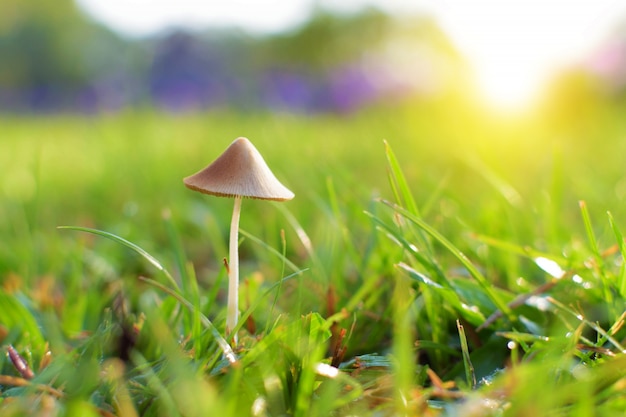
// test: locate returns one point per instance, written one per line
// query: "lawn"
(435, 261)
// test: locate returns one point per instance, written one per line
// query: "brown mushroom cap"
(239, 171)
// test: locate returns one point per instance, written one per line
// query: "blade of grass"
(312, 339)
(518, 302)
(403, 343)
(283, 241)
(593, 242)
(447, 293)
(194, 292)
(285, 262)
(524, 337)
(179, 253)
(510, 247)
(130, 245)
(188, 278)
(470, 376)
(349, 249)
(615, 327)
(473, 271)
(273, 251)
(621, 282)
(226, 349)
(154, 383)
(506, 190)
(319, 271)
(16, 315)
(258, 300)
(591, 324)
(436, 194)
(402, 191)
(329, 397)
(428, 263)
(398, 182)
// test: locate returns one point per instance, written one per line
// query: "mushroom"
(239, 172)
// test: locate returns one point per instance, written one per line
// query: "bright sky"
(514, 46)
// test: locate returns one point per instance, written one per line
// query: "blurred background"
(106, 105)
(91, 56)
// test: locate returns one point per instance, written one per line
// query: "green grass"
(433, 262)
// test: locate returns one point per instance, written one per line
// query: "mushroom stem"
(233, 270)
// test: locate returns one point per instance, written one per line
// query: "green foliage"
(51, 44)
(412, 277)
(327, 40)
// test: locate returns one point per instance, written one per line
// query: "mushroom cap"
(239, 171)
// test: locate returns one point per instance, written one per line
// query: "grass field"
(433, 262)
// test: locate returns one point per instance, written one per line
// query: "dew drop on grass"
(550, 266)
(580, 371)
(326, 370)
(580, 281)
(259, 406)
(540, 303)
(473, 308)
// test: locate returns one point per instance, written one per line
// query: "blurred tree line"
(51, 54)
(54, 58)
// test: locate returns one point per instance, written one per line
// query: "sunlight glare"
(516, 47)
(508, 84)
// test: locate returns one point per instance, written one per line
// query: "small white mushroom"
(239, 172)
